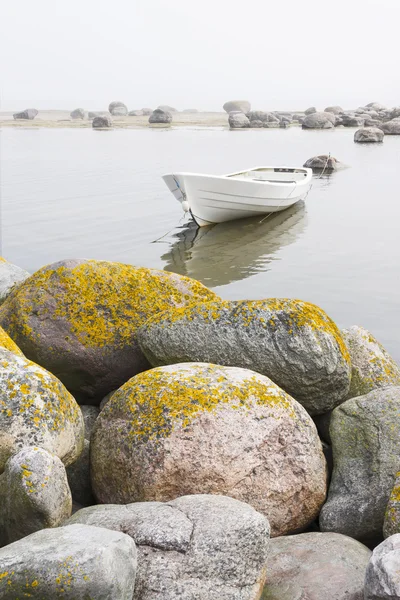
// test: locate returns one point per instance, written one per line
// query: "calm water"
(82, 193)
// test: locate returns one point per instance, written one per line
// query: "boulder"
(366, 447)
(322, 163)
(216, 547)
(349, 120)
(391, 127)
(316, 566)
(36, 410)
(7, 343)
(10, 277)
(117, 109)
(160, 116)
(102, 122)
(256, 124)
(382, 581)
(372, 123)
(166, 108)
(394, 113)
(71, 562)
(36, 494)
(136, 113)
(78, 318)
(264, 117)
(238, 120)
(198, 428)
(391, 524)
(29, 114)
(375, 106)
(368, 135)
(318, 120)
(78, 113)
(372, 366)
(294, 343)
(310, 111)
(147, 111)
(336, 110)
(237, 105)
(271, 124)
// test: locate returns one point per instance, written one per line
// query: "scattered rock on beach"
(78, 113)
(375, 106)
(160, 116)
(382, 580)
(238, 120)
(166, 108)
(310, 110)
(36, 410)
(323, 162)
(316, 566)
(198, 428)
(10, 277)
(351, 120)
(366, 447)
(77, 561)
(117, 109)
(216, 547)
(391, 127)
(368, 135)
(103, 122)
(29, 114)
(35, 494)
(147, 111)
(294, 343)
(319, 120)
(78, 318)
(336, 110)
(237, 105)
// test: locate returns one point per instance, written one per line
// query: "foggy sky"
(284, 54)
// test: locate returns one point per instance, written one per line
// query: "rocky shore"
(158, 442)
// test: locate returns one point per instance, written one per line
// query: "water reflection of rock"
(221, 254)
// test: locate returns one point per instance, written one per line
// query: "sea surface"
(69, 193)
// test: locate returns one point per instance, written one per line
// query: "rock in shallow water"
(206, 547)
(322, 163)
(78, 318)
(238, 120)
(382, 581)
(71, 562)
(391, 127)
(10, 277)
(366, 450)
(316, 566)
(319, 120)
(294, 343)
(368, 135)
(199, 428)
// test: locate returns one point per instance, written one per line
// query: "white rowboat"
(258, 191)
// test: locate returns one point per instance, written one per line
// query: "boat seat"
(272, 180)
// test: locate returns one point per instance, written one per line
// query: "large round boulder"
(78, 113)
(160, 116)
(205, 429)
(77, 561)
(237, 105)
(118, 109)
(294, 343)
(102, 122)
(78, 319)
(238, 120)
(391, 127)
(352, 120)
(336, 110)
(316, 566)
(36, 410)
(319, 120)
(368, 135)
(366, 447)
(310, 111)
(10, 276)
(382, 581)
(372, 366)
(166, 108)
(29, 114)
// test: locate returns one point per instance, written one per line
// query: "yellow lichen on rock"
(7, 343)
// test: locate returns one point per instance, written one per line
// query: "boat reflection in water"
(232, 251)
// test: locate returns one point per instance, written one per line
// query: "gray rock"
(352, 120)
(319, 120)
(256, 124)
(271, 125)
(336, 110)
(78, 113)
(237, 105)
(215, 547)
(375, 106)
(79, 478)
(36, 410)
(117, 109)
(136, 113)
(372, 365)
(391, 127)
(160, 116)
(238, 120)
(310, 110)
(35, 494)
(147, 111)
(366, 447)
(166, 108)
(103, 122)
(29, 114)
(10, 277)
(368, 135)
(323, 162)
(71, 562)
(394, 113)
(316, 566)
(372, 123)
(382, 581)
(391, 524)
(259, 115)
(292, 342)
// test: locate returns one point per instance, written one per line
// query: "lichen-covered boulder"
(294, 343)
(10, 277)
(36, 410)
(77, 561)
(322, 163)
(366, 450)
(216, 547)
(319, 120)
(160, 116)
(237, 105)
(102, 122)
(382, 581)
(29, 114)
(7, 343)
(391, 127)
(238, 120)
(197, 428)
(316, 566)
(36, 494)
(372, 366)
(78, 113)
(78, 319)
(368, 135)
(118, 109)
(391, 524)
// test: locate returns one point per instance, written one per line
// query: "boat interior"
(271, 175)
